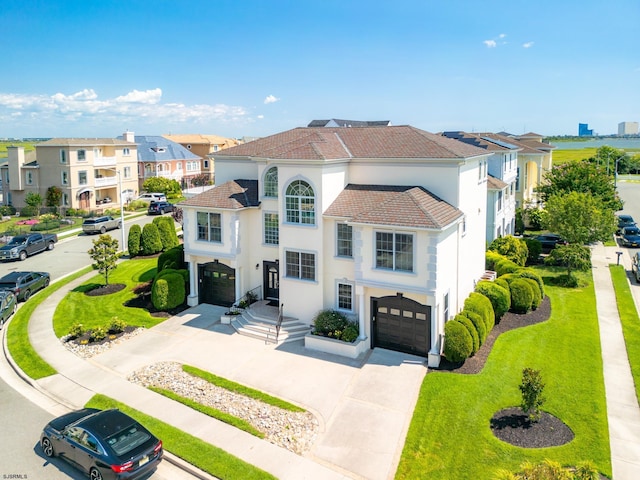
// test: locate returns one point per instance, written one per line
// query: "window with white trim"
(82, 155)
(271, 231)
(394, 251)
(63, 156)
(345, 296)
(500, 200)
(209, 227)
(127, 172)
(271, 183)
(300, 265)
(29, 178)
(64, 176)
(126, 152)
(82, 177)
(300, 203)
(344, 240)
(65, 199)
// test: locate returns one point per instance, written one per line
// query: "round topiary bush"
(515, 249)
(478, 323)
(330, 323)
(499, 297)
(478, 303)
(172, 258)
(167, 231)
(160, 294)
(521, 295)
(472, 331)
(150, 242)
(535, 302)
(504, 284)
(133, 242)
(458, 344)
(529, 273)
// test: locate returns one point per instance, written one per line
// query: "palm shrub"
(512, 248)
(521, 295)
(535, 301)
(458, 344)
(150, 242)
(133, 242)
(468, 324)
(499, 297)
(478, 303)
(478, 323)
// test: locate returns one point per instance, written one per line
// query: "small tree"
(531, 389)
(573, 257)
(54, 196)
(105, 255)
(34, 200)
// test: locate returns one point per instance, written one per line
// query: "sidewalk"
(363, 406)
(623, 412)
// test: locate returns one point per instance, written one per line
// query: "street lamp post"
(122, 246)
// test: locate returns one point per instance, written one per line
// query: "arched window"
(271, 183)
(300, 202)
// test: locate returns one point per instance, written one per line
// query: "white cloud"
(502, 35)
(490, 43)
(527, 45)
(271, 99)
(260, 117)
(130, 107)
(499, 40)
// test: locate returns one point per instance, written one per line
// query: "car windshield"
(89, 222)
(631, 231)
(127, 439)
(19, 240)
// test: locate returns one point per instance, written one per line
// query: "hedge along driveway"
(449, 436)
(97, 311)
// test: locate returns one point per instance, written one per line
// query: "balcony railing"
(106, 181)
(104, 161)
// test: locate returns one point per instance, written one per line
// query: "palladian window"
(271, 183)
(300, 203)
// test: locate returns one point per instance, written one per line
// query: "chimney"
(16, 160)
(129, 136)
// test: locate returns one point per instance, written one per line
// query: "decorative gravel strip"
(90, 349)
(295, 431)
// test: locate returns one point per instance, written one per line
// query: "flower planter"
(226, 319)
(336, 347)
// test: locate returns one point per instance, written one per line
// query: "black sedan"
(8, 305)
(625, 221)
(549, 241)
(24, 284)
(159, 208)
(630, 237)
(105, 444)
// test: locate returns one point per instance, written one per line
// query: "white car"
(152, 197)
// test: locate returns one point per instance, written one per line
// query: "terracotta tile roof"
(82, 142)
(326, 143)
(494, 183)
(204, 139)
(403, 206)
(231, 195)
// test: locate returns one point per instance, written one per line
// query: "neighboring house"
(161, 157)
(202, 146)
(90, 172)
(386, 224)
(334, 122)
(502, 180)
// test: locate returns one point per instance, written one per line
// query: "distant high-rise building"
(584, 131)
(628, 128)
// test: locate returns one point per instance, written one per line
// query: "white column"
(361, 312)
(192, 300)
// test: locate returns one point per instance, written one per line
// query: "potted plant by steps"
(232, 313)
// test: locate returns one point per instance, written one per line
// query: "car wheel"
(162, 211)
(15, 307)
(51, 246)
(103, 230)
(47, 447)
(27, 295)
(94, 474)
(119, 225)
(23, 255)
(46, 283)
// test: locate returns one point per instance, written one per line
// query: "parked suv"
(100, 224)
(159, 208)
(625, 221)
(152, 197)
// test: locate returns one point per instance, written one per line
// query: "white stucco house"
(386, 224)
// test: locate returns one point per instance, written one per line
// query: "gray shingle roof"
(156, 148)
(494, 183)
(349, 123)
(232, 195)
(402, 206)
(325, 143)
(83, 142)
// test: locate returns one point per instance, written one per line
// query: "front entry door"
(271, 280)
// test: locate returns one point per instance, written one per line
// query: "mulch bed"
(513, 426)
(508, 322)
(105, 289)
(85, 338)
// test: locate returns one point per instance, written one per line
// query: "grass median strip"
(629, 320)
(241, 389)
(210, 411)
(197, 452)
(18, 331)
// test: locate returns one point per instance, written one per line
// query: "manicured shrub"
(160, 294)
(136, 205)
(7, 210)
(528, 273)
(521, 295)
(184, 273)
(133, 242)
(29, 211)
(330, 323)
(97, 334)
(468, 324)
(76, 330)
(168, 291)
(499, 297)
(535, 290)
(117, 325)
(172, 258)
(478, 323)
(490, 259)
(576, 257)
(535, 249)
(512, 248)
(167, 231)
(478, 303)
(150, 242)
(48, 225)
(504, 284)
(457, 342)
(350, 333)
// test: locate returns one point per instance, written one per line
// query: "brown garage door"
(217, 284)
(401, 324)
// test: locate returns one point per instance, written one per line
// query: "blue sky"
(79, 68)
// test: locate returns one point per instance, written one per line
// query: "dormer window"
(158, 149)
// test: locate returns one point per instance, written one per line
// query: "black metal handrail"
(279, 322)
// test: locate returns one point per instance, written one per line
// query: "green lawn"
(629, 320)
(96, 311)
(205, 456)
(449, 436)
(563, 156)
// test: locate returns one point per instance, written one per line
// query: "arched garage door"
(217, 284)
(401, 324)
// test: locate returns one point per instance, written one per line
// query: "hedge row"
(468, 330)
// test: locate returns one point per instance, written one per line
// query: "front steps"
(259, 321)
